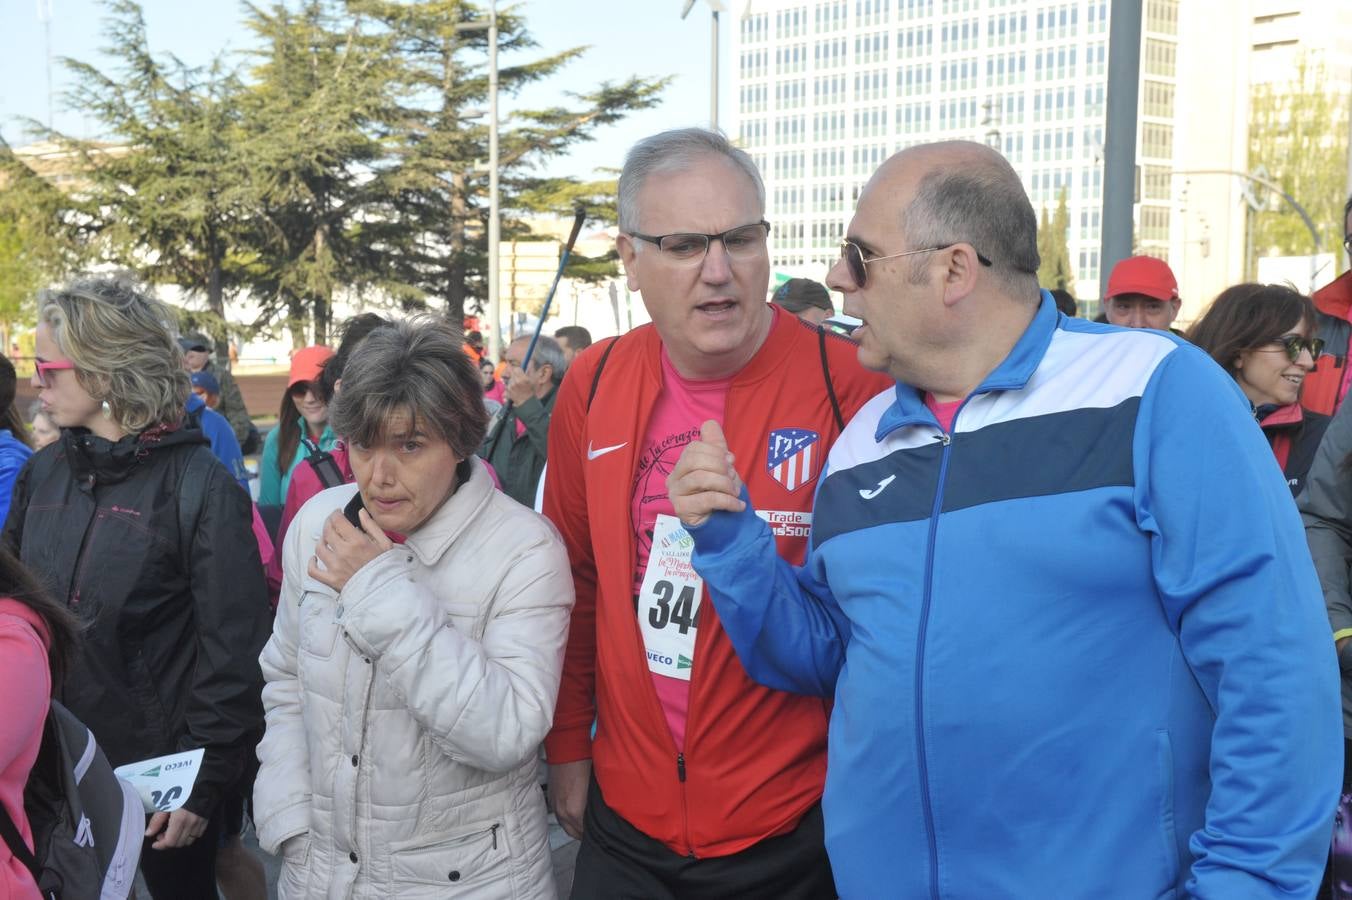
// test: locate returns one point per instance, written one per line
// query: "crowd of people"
(981, 600)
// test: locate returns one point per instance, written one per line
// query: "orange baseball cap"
(307, 363)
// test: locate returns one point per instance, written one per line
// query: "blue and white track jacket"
(1077, 647)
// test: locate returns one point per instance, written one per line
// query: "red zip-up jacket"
(754, 759)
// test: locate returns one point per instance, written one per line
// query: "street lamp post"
(716, 7)
(1260, 177)
(494, 213)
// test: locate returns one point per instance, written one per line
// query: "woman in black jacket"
(132, 521)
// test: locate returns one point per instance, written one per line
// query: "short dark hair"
(1065, 302)
(354, 332)
(578, 338)
(983, 204)
(1246, 316)
(419, 367)
(1347, 209)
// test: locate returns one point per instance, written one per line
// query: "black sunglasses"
(858, 265)
(1293, 345)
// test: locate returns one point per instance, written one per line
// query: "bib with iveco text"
(668, 601)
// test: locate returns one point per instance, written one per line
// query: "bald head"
(965, 191)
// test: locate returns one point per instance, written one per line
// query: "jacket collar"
(96, 460)
(1011, 375)
(1278, 416)
(1335, 298)
(460, 511)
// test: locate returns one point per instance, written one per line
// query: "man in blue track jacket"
(1056, 586)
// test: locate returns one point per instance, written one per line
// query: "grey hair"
(416, 367)
(548, 352)
(983, 204)
(678, 150)
(122, 344)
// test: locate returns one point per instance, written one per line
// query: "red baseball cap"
(307, 363)
(1143, 275)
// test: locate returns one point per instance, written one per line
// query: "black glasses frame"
(1293, 345)
(660, 239)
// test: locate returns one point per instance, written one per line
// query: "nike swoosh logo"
(882, 486)
(593, 454)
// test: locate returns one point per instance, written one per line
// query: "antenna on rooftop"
(45, 17)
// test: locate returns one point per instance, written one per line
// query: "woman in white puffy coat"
(415, 659)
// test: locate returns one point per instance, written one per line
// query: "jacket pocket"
(142, 687)
(318, 630)
(466, 860)
(295, 875)
(1164, 763)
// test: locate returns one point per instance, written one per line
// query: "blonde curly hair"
(122, 344)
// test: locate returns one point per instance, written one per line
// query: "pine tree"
(1052, 245)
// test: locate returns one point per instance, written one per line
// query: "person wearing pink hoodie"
(36, 636)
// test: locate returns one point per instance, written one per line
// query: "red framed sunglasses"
(42, 367)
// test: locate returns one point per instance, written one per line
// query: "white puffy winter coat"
(404, 714)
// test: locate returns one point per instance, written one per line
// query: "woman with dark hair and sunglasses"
(302, 421)
(1263, 335)
(133, 523)
(37, 637)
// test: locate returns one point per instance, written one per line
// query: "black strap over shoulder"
(325, 466)
(600, 366)
(192, 493)
(10, 832)
(826, 375)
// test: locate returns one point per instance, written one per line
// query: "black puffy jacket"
(165, 573)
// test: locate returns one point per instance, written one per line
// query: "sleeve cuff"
(565, 745)
(722, 528)
(283, 825)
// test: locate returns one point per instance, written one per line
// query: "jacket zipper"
(922, 764)
(361, 740)
(83, 559)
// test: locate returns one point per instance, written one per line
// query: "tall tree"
(436, 222)
(1298, 133)
(165, 194)
(1053, 247)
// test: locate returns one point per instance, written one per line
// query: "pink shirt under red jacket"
(25, 694)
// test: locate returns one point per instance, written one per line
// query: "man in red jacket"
(1326, 387)
(697, 782)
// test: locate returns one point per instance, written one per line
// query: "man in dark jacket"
(519, 435)
(197, 358)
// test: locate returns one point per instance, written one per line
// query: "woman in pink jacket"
(36, 637)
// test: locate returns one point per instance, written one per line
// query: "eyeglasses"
(742, 242)
(858, 265)
(42, 368)
(1293, 345)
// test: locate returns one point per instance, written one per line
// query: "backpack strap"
(826, 374)
(10, 832)
(191, 497)
(323, 463)
(600, 366)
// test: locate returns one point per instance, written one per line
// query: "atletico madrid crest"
(793, 456)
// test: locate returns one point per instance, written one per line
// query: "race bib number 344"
(668, 602)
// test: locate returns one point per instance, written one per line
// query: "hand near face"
(704, 479)
(343, 549)
(519, 388)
